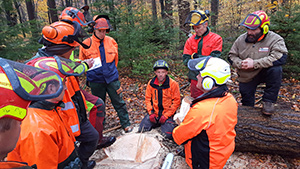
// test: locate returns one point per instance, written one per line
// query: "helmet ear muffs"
(265, 29)
(208, 83)
(90, 29)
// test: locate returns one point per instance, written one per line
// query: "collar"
(164, 85)
(205, 33)
(46, 105)
(221, 91)
(96, 39)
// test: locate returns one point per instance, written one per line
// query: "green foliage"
(286, 22)
(19, 42)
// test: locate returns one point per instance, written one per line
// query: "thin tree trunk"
(30, 9)
(17, 6)
(52, 13)
(154, 11)
(214, 5)
(183, 11)
(162, 5)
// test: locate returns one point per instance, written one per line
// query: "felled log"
(278, 134)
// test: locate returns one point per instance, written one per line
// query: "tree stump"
(278, 134)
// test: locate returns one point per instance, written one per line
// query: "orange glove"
(153, 118)
(162, 119)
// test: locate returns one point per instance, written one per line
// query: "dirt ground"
(133, 95)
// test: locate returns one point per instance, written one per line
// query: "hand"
(90, 62)
(247, 64)
(162, 119)
(153, 118)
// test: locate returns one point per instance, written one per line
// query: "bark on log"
(278, 134)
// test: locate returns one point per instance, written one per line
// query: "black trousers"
(271, 76)
(88, 141)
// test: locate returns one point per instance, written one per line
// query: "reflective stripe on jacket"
(208, 132)
(206, 45)
(72, 116)
(107, 50)
(77, 97)
(164, 99)
(45, 139)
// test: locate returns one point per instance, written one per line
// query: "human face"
(199, 82)
(161, 75)
(254, 35)
(200, 29)
(9, 138)
(100, 33)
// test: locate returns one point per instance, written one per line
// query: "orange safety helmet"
(19, 85)
(72, 14)
(62, 66)
(102, 23)
(257, 19)
(65, 33)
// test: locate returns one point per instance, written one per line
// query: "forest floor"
(134, 96)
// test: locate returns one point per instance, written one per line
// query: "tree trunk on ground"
(278, 134)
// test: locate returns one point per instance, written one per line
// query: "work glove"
(162, 119)
(153, 118)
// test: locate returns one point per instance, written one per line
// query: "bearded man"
(258, 56)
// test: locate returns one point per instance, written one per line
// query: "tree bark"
(214, 5)
(278, 134)
(162, 6)
(183, 11)
(30, 9)
(52, 13)
(154, 11)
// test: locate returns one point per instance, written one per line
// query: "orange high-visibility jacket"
(164, 99)
(111, 49)
(76, 95)
(14, 165)
(45, 139)
(71, 114)
(208, 132)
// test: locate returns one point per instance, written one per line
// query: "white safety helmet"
(214, 71)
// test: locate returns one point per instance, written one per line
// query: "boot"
(268, 108)
(106, 141)
(89, 165)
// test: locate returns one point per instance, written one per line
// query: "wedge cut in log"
(277, 134)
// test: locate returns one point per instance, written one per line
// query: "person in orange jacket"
(60, 39)
(162, 100)
(207, 131)
(95, 105)
(103, 76)
(46, 139)
(17, 89)
(203, 43)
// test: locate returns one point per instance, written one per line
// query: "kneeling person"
(162, 101)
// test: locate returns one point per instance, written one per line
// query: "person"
(95, 105)
(207, 131)
(162, 100)
(258, 56)
(103, 77)
(60, 39)
(202, 43)
(46, 139)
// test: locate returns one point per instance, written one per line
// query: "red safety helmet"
(62, 66)
(19, 85)
(257, 19)
(72, 14)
